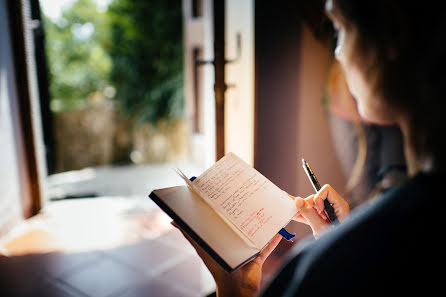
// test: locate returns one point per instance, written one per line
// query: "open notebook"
(231, 210)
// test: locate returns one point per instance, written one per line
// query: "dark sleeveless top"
(392, 245)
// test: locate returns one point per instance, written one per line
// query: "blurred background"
(102, 99)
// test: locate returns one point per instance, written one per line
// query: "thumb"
(315, 221)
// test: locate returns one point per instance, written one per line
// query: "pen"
(329, 211)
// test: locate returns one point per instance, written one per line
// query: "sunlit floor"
(104, 246)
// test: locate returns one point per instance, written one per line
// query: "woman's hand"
(312, 210)
(245, 281)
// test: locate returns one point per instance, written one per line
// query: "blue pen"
(328, 208)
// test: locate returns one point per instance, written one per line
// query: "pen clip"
(311, 176)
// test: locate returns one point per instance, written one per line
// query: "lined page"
(247, 198)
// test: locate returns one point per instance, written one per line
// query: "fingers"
(270, 247)
(316, 221)
(340, 206)
(299, 218)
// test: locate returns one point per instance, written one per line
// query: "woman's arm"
(245, 281)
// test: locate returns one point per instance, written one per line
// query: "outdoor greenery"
(131, 52)
(147, 53)
(78, 61)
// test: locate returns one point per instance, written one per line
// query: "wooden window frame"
(31, 202)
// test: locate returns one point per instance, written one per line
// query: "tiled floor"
(105, 246)
(101, 247)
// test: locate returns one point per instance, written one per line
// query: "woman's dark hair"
(402, 45)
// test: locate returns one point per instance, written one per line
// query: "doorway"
(117, 97)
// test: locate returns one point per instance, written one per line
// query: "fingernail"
(300, 202)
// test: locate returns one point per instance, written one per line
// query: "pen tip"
(303, 161)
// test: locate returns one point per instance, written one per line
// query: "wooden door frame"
(31, 203)
(219, 69)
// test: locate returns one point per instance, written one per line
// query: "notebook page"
(229, 223)
(247, 198)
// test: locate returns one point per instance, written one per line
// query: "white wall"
(198, 32)
(239, 104)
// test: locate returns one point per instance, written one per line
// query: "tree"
(78, 62)
(147, 58)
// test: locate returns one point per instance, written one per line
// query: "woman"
(393, 56)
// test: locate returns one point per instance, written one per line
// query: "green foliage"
(78, 62)
(135, 46)
(147, 53)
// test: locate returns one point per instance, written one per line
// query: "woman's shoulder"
(404, 200)
(405, 210)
